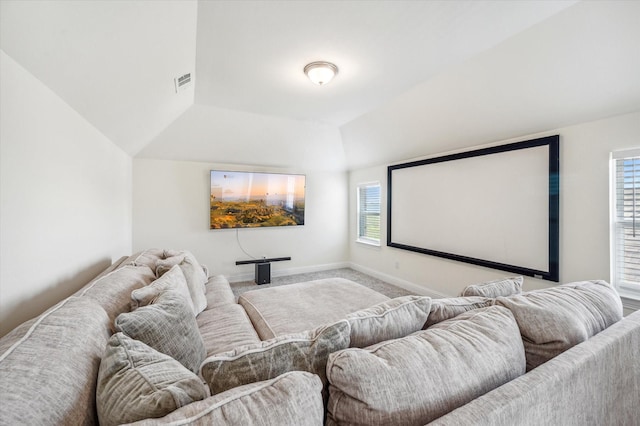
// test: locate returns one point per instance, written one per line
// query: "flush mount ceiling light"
(320, 72)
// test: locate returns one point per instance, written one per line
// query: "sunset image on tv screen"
(252, 200)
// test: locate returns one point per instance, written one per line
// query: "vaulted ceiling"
(416, 77)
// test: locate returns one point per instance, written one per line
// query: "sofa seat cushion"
(418, 378)
(225, 328)
(291, 399)
(48, 375)
(306, 351)
(388, 320)
(136, 382)
(168, 326)
(553, 320)
(311, 304)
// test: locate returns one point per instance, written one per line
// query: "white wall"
(584, 216)
(65, 198)
(171, 210)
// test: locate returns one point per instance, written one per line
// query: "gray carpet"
(348, 273)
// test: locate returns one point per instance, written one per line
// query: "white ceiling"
(416, 77)
(251, 54)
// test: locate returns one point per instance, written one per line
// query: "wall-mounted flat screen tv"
(255, 200)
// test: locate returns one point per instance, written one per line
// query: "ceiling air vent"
(182, 82)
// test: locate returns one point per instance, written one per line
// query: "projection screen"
(496, 207)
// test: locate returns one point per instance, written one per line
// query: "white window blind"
(369, 213)
(626, 223)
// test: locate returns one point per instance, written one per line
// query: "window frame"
(360, 238)
(627, 289)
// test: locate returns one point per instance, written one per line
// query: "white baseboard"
(399, 282)
(291, 271)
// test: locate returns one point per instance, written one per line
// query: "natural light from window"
(369, 213)
(625, 231)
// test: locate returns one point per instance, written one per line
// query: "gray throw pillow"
(193, 272)
(306, 351)
(554, 319)
(395, 318)
(290, 399)
(174, 279)
(136, 382)
(450, 307)
(167, 325)
(418, 378)
(495, 288)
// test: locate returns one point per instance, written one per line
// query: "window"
(369, 213)
(625, 239)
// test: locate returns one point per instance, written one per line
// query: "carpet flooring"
(380, 286)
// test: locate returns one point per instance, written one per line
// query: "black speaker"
(263, 273)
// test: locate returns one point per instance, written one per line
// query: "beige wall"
(171, 205)
(65, 198)
(584, 216)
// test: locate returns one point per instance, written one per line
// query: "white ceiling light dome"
(321, 72)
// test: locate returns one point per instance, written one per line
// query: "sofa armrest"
(218, 292)
(595, 382)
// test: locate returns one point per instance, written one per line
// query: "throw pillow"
(174, 279)
(418, 378)
(395, 318)
(447, 308)
(496, 288)
(147, 257)
(193, 272)
(136, 382)
(290, 399)
(307, 351)
(553, 320)
(167, 325)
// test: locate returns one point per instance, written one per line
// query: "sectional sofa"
(155, 340)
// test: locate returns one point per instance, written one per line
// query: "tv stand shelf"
(263, 268)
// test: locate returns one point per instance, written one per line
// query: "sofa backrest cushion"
(193, 272)
(168, 326)
(450, 307)
(395, 318)
(306, 351)
(495, 288)
(136, 382)
(113, 290)
(291, 399)
(174, 279)
(48, 375)
(553, 320)
(418, 378)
